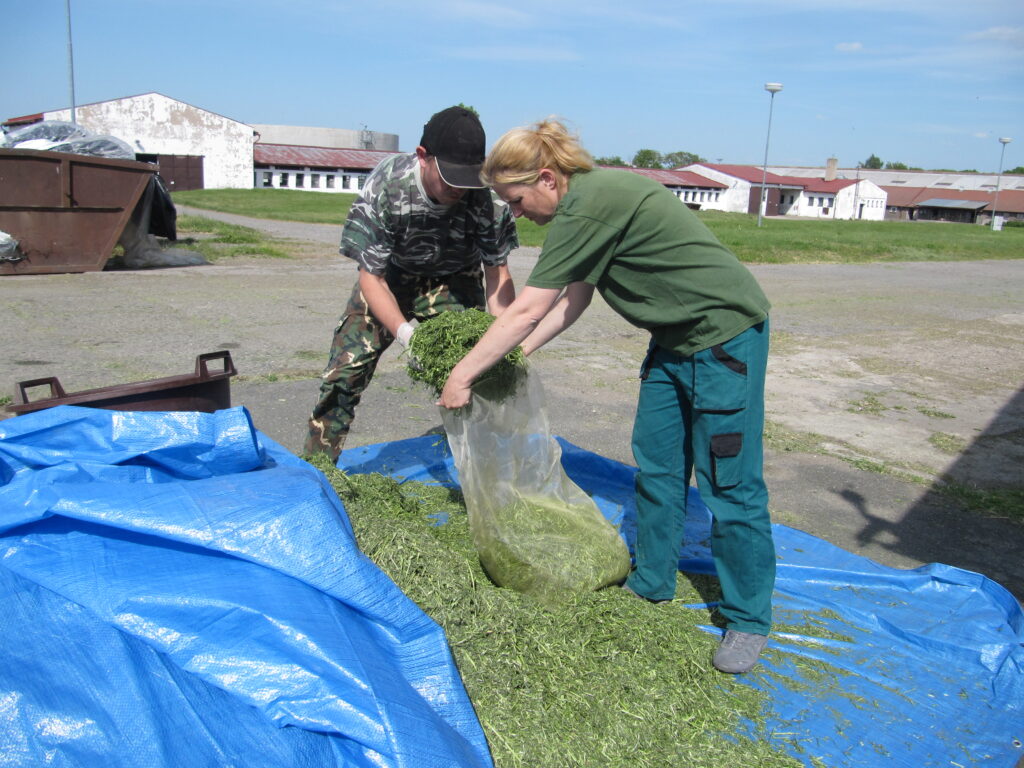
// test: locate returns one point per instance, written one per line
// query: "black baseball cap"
(455, 137)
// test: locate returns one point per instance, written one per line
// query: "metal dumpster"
(207, 390)
(66, 211)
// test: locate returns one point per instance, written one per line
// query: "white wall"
(338, 138)
(157, 125)
(312, 179)
(867, 196)
(735, 199)
(840, 205)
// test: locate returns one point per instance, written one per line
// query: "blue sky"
(930, 83)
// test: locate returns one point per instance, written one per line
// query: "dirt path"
(886, 380)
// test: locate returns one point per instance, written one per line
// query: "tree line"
(874, 162)
(650, 158)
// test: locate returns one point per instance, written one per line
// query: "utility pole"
(772, 88)
(71, 61)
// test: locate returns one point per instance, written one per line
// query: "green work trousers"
(704, 415)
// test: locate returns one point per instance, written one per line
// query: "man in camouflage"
(428, 237)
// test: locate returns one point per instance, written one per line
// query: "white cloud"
(1012, 35)
(850, 47)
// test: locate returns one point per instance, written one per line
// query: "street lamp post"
(772, 88)
(1004, 141)
(71, 61)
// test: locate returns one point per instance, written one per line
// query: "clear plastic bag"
(62, 136)
(45, 134)
(534, 529)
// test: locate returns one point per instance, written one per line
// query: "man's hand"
(404, 334)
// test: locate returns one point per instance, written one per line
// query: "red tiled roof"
(676, 178)
(1010, 200)
(24, 119)
(317, 157)
(754, 174)
(820, 185)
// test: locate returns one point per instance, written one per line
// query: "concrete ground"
(887, 382)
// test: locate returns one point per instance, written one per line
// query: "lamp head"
(773, 88)
(1004, 141)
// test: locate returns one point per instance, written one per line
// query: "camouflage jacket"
(394, 223)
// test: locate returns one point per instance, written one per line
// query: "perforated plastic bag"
(534, 529)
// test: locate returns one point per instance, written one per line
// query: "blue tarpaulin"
(904, 668)
(180, 590)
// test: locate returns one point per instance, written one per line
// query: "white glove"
(404, 335)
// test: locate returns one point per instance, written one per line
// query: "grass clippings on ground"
(217, 240)
(602, 679)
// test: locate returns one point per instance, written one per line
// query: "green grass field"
(777, 242)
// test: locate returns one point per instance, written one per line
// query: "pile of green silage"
(601, 679)
(441, 342)
(549, 549)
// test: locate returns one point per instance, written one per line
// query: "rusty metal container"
(206, 391)
(66, 211)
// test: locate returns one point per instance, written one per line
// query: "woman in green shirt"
(701, 403)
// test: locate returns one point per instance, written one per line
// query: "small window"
(284, 180)
(359, 181)
(314, 180)
(300, 179)
(345, 181)
(329, 179)
(268, 179)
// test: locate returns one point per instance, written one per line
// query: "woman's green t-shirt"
(651, 259)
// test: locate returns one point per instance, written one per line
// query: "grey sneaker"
(738, 652)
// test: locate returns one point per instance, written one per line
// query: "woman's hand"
(455, 395)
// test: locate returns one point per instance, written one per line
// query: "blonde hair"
(519, 155)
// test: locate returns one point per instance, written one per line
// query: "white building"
(314, 169)
(329, 138)
(697, 192)
(941, 180)
(198, 149)
(194, 148)
(826, 197)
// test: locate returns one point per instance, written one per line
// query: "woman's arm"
(506, 333)
(566, 311)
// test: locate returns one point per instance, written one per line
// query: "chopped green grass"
(441, 342)
(217, 240)
(933, 413)
(947, 443)
(1007, 503)
(601, 679)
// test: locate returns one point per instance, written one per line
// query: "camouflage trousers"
(360, 340)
